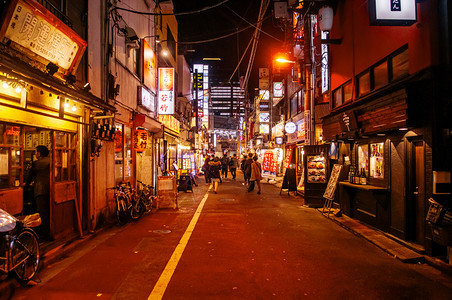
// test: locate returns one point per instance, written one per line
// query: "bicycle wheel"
(121, 211)
(25, 255)
(137, 209)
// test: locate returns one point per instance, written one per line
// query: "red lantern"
(140, 140)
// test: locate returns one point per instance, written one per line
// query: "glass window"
(400, 65)
(381, 75)
(4, 168)
(337, 95)
(363, 155)
(12, 135)
(119, 150)
(364, 84)
(348, 92)
(376, 160)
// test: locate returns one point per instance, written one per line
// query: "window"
(348, 92)
(10, 156)
(381, 75)
(400, 66)
(376, 167)
(65, 156)
(364, 84)
(337, 95)
(363, 158)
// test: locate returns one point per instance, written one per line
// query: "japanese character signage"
(269, 162)
(140, 140)
(392, 12)
(145, 99)
(32, 29)
(166, 91)
(170, 122)
(149, 67)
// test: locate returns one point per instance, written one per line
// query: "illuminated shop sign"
(264, 117)
(264, 94)
(140, 140)
(290, 127)
(166, 91)
(149, 67)
(146, 99)
(264, 128)
(279, 140)
(277, 89)
(324, 67)
(392, 12)
(30, 28)
(170, 122)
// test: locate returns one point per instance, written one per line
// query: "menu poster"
(331, 187)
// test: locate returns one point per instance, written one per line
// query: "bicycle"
(19, 247)
(146, 196)
(127, 205)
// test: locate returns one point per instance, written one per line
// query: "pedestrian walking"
(233, 166)
(247, 168)
(256, 175)
(214, 172)
(205, 170)
(224, 166)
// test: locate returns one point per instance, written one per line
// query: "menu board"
(316, 169)
(331, 188)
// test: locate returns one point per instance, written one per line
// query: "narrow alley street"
(242, 246)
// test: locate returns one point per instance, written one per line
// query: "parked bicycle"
(19, 247)
(146, 196)
(128, 205)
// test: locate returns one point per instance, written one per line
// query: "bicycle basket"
(32, 220)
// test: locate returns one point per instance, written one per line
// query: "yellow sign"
(170, 122)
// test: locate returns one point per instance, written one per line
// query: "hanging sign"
(31, 28)
(140, 140)
(392, 12)
(166, 91)
(290, 127)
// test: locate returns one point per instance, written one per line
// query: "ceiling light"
(403, 129)
(74, 108)
(211, 58)
(5, 85)
(381, 134)
(66, 104)
(18, 89)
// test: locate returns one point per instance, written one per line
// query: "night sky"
(221, 21)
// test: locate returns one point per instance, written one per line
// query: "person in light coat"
(256, 175)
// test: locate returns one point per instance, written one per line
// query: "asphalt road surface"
(233, 245)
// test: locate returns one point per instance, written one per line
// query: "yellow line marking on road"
(165, 277)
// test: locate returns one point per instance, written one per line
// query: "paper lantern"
(326, 15)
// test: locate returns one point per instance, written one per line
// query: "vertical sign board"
(166, 91)
(149, 67)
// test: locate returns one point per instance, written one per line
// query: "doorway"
(416, 192)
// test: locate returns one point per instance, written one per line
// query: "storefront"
(384, 143)
(169, 142)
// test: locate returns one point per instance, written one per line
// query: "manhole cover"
(227, 200)
(162, 231)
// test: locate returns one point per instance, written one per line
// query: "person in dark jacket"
(40, 176)
(247, 168)
(214, 172)
(224, 166)
(205, 169)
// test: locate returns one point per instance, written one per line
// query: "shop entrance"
(416, 192)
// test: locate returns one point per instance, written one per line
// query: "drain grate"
(161, 231)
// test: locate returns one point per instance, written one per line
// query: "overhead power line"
(171, 14)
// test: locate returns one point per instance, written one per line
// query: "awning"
(147, 122)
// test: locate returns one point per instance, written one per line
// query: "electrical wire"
(172, 14)
(253, 25)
